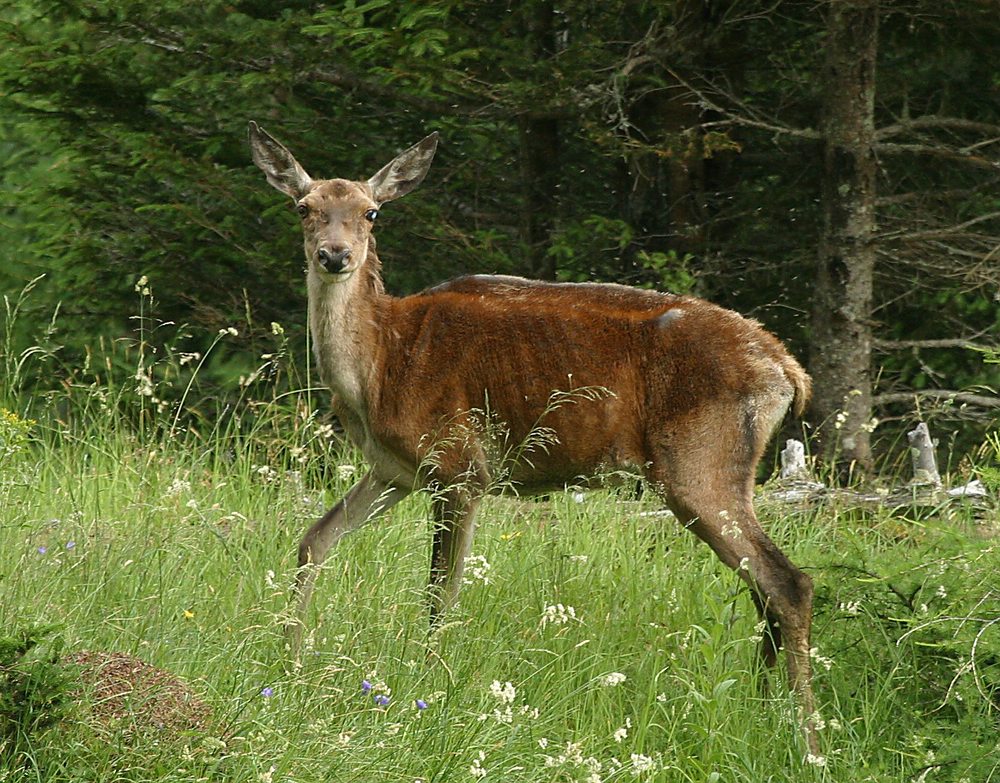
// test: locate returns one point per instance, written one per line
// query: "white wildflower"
(850, 607)
(277, 328)
(477, 569)
(816, 761)
(543, 743)
(941, 592)
(265, 472)
(144, 382)
(574, 752)
(594, 766)
(557, 614)
(344, 472)
(177, 487)
(731, 530)
(579, 558)
(141, 284)
(503, 692)
(642, 764)
(269, 580)
(621, 733)
(326, 431)
(826, 663)
(187, 358)
(612, 679)
(476, 770)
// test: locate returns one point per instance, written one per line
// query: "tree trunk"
(539, 141)
(539, 154)
(841, 346)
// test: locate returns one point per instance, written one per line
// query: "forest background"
(829, 168)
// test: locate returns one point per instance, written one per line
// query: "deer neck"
(344, 319)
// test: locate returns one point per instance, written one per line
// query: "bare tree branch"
(964, 398)
(743, 115)
(938, 233)
(958, 342)
(931, 121)
(937, 152)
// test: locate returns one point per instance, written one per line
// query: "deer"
(493, 382)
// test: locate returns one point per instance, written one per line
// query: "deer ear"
(405, 172)
(282, 170)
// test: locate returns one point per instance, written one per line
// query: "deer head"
(338, 214)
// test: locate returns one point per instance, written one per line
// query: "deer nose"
(334, 259)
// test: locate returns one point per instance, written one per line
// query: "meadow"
(594, 640)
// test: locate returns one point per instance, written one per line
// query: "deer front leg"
(364, 502)
(454, 525)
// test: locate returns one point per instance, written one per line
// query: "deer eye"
(302, 209)
(370, 215)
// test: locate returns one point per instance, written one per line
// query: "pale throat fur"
(342, 322)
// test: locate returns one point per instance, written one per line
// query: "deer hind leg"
(364, 502)
(770, 641)
(715, 504)
(454, 526)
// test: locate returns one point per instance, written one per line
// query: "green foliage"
(14, 432)
(669, 271)
(989, 471)
(918, 607)
(577, 246)
(123, 132)
(35, 690)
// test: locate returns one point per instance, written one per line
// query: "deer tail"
(801, 385)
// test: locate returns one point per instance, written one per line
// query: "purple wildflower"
(42, 549)
(421, 704)
(267, 692)
(365, 686)
(381, 700)
(71, 544)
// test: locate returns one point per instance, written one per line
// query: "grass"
(591, 644)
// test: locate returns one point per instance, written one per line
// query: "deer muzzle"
(332, 259)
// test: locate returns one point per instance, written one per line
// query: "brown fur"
(492, 382)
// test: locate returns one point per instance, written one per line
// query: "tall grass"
(591, 643)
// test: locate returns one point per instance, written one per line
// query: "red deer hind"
(490, 381)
